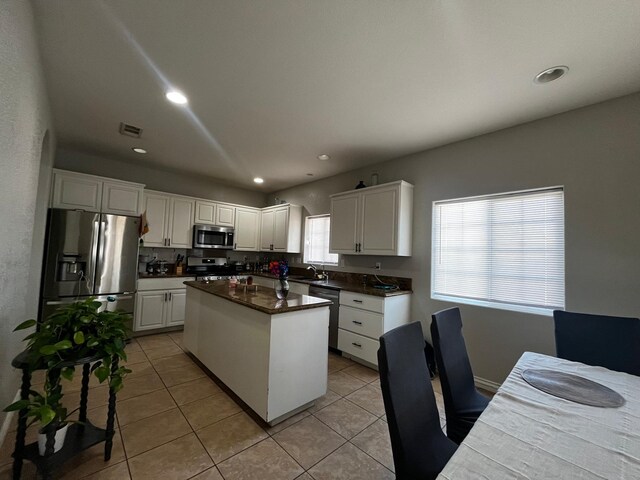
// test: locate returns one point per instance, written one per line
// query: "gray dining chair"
(419, 446)
(463, 403)
(599, 340)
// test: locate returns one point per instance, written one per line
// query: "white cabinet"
(373, 221)
(72, 190)
(364, 318)
(160, 303)
(170, 220)
(212, 213)
(247, 229)
(76, 191)
(121, 198)
(299, 288)
(281, 228)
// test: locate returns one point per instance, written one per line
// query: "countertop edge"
(219, 292)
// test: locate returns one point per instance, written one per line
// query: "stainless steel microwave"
(210, 236)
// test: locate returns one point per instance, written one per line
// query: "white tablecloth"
(526, 433)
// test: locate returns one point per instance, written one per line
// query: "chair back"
(599, 340)
(456, 376)
(420, 448)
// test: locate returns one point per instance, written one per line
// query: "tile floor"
(174, 422)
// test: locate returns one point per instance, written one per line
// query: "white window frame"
(307, 242)
(493, 303)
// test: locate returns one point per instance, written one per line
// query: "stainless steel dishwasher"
(334, 310)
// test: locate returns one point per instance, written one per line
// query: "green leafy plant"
(73, 333)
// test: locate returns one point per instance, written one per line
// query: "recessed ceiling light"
(550, 74)
(139, 150)
(258, 180)
(176, 97)
(323, 157)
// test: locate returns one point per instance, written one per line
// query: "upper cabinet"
(73, 190)
(170, 219)
(212, 213)
(247, 229)
(373, 221)
(281, 228)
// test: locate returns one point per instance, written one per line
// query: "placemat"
(572, 387)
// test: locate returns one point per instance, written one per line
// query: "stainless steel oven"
(210, 236)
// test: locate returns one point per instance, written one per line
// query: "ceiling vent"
(130, 130)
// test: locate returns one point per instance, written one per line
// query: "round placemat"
(572, 387)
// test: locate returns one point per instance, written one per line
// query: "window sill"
(546, 312)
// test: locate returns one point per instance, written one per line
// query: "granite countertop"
(261, 298)
(166, 275)
(346, 286)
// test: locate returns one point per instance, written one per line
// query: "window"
(316, 241)
(503, 251)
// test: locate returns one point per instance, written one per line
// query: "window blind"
(316, 244)
(504, 251)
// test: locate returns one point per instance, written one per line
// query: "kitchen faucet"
(321, 276)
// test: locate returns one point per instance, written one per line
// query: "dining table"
(525, 433)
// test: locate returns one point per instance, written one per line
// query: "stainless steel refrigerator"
(90, 255)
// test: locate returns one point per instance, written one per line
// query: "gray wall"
(594, 152)
(157, 178)
(26, 159)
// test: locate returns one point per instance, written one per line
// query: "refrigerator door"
(72, 240)
(117, 262)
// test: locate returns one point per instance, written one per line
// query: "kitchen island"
(271, 353)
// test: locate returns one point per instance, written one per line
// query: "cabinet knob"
(357, 301)
(356, 344)
(356, 322)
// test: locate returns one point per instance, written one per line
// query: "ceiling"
(273, 84)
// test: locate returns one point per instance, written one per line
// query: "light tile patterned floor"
(174, 423)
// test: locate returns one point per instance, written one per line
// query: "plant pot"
(282, 288)
(61, 434)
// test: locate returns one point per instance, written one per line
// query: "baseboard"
(7, 421)
(486, 384)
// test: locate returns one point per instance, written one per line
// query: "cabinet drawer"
(358, 346)
(366, 302)
(163, 283)
(360, 321)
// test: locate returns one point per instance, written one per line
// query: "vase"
(282, 288)
(60, 435)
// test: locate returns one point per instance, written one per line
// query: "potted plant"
(74, 334)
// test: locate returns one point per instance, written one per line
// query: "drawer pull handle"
(356, 322)
(358, 301)
(356, 344)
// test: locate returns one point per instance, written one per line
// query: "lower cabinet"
(160, 303)
(364, 318)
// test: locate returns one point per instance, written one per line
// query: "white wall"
(594, 152)
(24, 183)
(157, 178)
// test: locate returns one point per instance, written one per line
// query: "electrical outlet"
(378, 265)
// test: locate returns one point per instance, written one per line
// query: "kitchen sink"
(300, 277)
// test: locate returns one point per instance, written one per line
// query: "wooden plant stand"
(80, 436)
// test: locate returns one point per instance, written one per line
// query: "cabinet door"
(247, 230)
(205, 213)
(344, 224)
(280, 229)
(181, 223)
(379, 217)
(157, 208)
(266, 230)
(176, 307)
(225, 215)
(76, 192)
(121, 199)
(150, 310)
